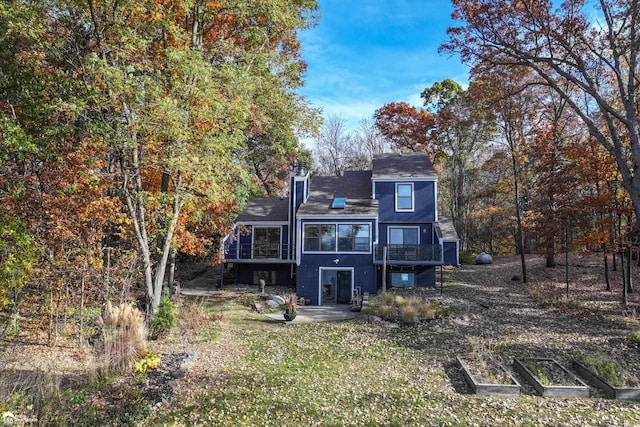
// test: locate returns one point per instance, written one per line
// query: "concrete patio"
(325, 313)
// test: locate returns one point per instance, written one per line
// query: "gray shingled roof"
(354, 185)
(447, 231)
(406, 165)
(265, 209)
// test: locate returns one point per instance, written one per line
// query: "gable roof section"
(354, 185)
(265, 209)
(402, 165)
(447, 231)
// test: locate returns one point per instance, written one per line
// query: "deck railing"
(263, 251)
(409, 253)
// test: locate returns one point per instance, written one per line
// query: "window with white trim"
(404, 197)
(337, 238)
(403, 235)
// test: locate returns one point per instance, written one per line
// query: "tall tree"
(506, 95)
(554, 197)
(492, 216)
(592, 67)
(334, 150)
(461, 129)
(368, 141)
(172, 91)
(406, 127)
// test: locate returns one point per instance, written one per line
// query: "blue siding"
(365, 267)
(451, 254)
(296, 198)
(424, 202)
(308, 273)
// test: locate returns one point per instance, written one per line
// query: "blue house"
(366, 230)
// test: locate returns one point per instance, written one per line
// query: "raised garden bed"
(609, 390)
(550, 378)
(488, 377)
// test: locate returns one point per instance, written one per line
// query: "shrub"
(409, 314)
(165, 319)
(194, 313)
(405, 309)
(386, 312)
(634, 337)
(146, 361)
(467, 257)
(427, 311)
(388, 299)
(125, 336)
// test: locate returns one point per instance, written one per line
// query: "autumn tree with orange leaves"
(166, 97)
(406, 127)
(593, 68)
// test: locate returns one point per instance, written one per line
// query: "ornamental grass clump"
(403, 309)
(387, 312)
(388, 299)
(409, 313)
(426, 311)
(125, 336)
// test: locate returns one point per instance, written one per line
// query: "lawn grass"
(359, 374)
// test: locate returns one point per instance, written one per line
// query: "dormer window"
(404, 197)
(338, 203)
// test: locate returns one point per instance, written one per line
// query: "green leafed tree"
(18, 257)
(462, 128)
(172, 92)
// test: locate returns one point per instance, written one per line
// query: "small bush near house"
(427, 311)
(409, 314)
(166, 318)
(388, 299)
(125, 336)
(404, 309)
(467, 257)
(384, 311)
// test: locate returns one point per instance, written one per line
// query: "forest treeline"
(133, 131)
(540, 152)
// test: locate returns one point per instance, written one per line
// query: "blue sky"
(367, 53)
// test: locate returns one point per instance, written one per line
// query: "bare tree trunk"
(629, 277)
(566, 257)
(172, 267)
(520, 234)
(82, 280)
(606, 271)
(625, 299)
